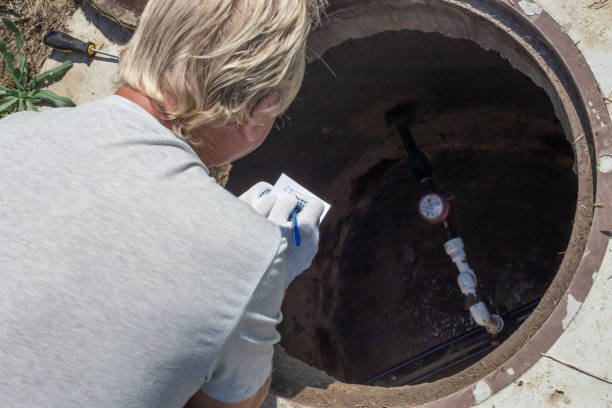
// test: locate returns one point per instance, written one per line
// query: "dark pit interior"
(382, 289)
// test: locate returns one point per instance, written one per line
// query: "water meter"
(434, 208)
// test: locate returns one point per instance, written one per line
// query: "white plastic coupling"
(454, 249)
(492, 322)
(467, 278)
(467, 282)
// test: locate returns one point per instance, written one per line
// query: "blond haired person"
(129, 278)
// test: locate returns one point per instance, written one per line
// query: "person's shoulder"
(239, 214)
(89, 114)
(233, 222)
(17, 120)
(113, 110)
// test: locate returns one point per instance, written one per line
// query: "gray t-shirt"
(128, 277)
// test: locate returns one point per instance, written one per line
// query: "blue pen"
(296, 230)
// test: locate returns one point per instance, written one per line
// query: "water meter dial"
(434, 208)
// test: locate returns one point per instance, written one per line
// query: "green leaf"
(7, 102)
(10, 60)
(23, 70)
(31, 106)
(8, 92)
(50, 76)
(20, 107)
(15, 30)
(47, 97)
(23, 65)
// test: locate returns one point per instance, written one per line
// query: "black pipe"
(401, 117)
(477, 339)
(438, 348)
(450, 365)
(450, 229)
(417, 160)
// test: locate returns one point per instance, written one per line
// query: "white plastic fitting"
(454, 249)
(493, 323)
(467, 284)
(467, 278)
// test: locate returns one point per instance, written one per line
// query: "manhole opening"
(382, 289)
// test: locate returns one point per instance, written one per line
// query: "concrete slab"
(90, 78)
(585, 344)
(590, 27)
(546, 385)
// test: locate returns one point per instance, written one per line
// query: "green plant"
(27, 95)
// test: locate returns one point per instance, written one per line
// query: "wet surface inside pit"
(382, 288)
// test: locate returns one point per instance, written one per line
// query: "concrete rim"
(587, 123)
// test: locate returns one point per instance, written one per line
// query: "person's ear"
(260, 116)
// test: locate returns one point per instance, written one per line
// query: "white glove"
(260, 198)
(297, 258)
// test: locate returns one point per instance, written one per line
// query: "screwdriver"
(66, 43)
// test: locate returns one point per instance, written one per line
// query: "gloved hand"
(297, 258)
(260, 198)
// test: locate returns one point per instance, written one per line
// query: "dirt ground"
(34, 18)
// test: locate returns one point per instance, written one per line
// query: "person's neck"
(145, 103)
(141, 100)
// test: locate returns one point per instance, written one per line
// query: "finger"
(263, 205)
(256, 191)
(282, 209)
(311, 213)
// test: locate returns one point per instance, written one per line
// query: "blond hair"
(216, 59)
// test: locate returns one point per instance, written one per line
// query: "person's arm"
(240, 374)
(202, 400)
